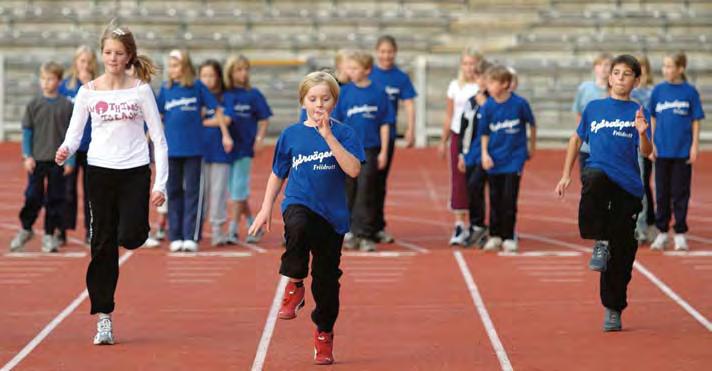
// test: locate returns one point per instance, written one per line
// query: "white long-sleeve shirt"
(118, 140)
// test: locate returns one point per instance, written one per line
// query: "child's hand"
(257, 147)
(441, 148)
(653, 154)
(561, 187)
(382, 160)
(409, 138)
(227, 143)
(61, 155)
(68, 170)
(640, 123)
(693, 155)
(157, 198)
(461, 164)
(322, 124)
(487, 162)
(264, 217)
(29, 164)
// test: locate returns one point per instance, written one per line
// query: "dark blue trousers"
(673, 177)
(184, 180)
(36, 197)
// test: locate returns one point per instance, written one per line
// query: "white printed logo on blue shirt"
(678, 107)
(185, 104)
(315, 156)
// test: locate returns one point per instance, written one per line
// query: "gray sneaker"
(384, 237)
(217, 238)
(599, 257)
(255, 238)
(49, 243)
(366, 245)
(477, 237)
(612, 320)
(18, 243)
(104, 334)
(350, 241)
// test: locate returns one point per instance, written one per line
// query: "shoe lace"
(599, 251)
(104, 325)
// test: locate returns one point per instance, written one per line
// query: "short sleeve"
(576, 108)
(452, 89)
(407, 89)
(389, 116)
(349, 140)
(653, 101)
(582, 129)
(697, 112)
(227, 105)
(528, 114)
(282, 161)
(263, 109)
(208, 99)
(161, 100)
(27, 121)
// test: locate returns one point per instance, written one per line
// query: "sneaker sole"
(296, 310)
(322, 363)
(612, 329)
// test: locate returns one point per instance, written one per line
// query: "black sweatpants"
(35, 196)
(307, 231)
(503, 192)
(362, 194)
(118, 202)
(70, 210)
(649, 196)
(607, 212)
(382, 187)
(673, 177)
(476, 181)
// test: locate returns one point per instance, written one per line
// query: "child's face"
(386, 55)
(82, 63)
(318, 101)
(468, 66)
(49, 83)
(643, 74)
(356, 72)
(115, 56)
(240, 74)
(209, 78)
(622, 80)
(497, 88)
(175, 70)
(671, 72)
(602, 69)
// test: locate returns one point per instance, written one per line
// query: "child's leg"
(34, 197)
(614, 281)
(363, 216)
(594, 207)
(663, 174)
(218, 178)
(295, 259)
(192, 207)
(239, 187)
(496, 188)
(649, 195)
(680, 192)
(508, 210)
(134, 192)
(325, 246)
(103, 271)
(382, 188)
(56, 193)
(175, 197)
(476, 179)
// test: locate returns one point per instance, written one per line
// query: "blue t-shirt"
(315, 178)
(609, 127)
(397, 86)
(505, 123)
(365, 110)
(213, 150)
(246, 108)
(675, 107)
(71, 94)
(181, 107)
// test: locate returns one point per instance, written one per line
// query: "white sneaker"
(350, 241)
(681, 242)
(104, 334)
(190, 246)
(49, 243)
(660, 242)
(651, 233)
(510, 246)
(493, 244)
(18, 243)
(176, 246)
(151, 243)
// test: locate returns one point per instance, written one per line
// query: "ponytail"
(144, 68)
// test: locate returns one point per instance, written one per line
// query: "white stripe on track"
(53, 324)
(263, 346)
(484, 315)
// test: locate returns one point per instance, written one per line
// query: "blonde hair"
(468, 52)
(143, 66)
(186, 67)
(500, 73)
(602, 58)
(315, 78)
(73, 77)
(364, 59)
(645, 63)
(341, 55)
(680, 61)
(233, 62)
(53, 68)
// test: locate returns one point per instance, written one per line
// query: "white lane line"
(53, 324)
(45, 254)
(540, 253)
(222, 254)
(194, 268)
(14, 282)
(28, 269)
(376, 268)
(253, 247)
(374, 280)
(702, 267)
(411, 246)
(189, 281)
(379, 254)
(376, 274)
(688, 253)
(484, 315)
(263, 346)
(560, 280)
(194, 274)
(699, 239)
(557, 274)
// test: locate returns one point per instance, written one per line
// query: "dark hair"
(215, 65)
(680, 60)
(629, 61)
(387, 39)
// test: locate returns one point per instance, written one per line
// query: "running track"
(418, 304)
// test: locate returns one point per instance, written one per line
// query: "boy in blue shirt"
(612, 190)
(364, 106)
(43, 128)
(503, 133)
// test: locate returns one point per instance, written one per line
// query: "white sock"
(104, 315)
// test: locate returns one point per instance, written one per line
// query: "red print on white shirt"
(116, 111)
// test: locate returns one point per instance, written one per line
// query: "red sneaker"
(323, 347)
(292, 301)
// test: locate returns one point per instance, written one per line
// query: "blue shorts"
(239, 184)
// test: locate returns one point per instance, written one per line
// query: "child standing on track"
(317, 155)
(611, 195)
(399, 88)
(218, 144)
(364, 106)
(118, 175)
(248, 114)
(458, 92)
(503, 132)
(83, 70)
(677, 112)
(181, 101)
(43, 127)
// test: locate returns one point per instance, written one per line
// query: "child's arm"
(28, 160)
(410, 115)
(383, 154)
(264, 217)
(571, 154)
(486, 159)
(654, 152)
(74, 134)
(694, 150)
(641, 125)
(449, 109)
(346, 160)
(532, 141)
(261, 132)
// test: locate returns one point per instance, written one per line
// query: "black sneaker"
(600, 257)
(61, 236)
(612, 320)
(477, 236)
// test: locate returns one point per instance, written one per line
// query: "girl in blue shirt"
(615, 128)
(181, 101)
(676, 111)
(317, 156)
